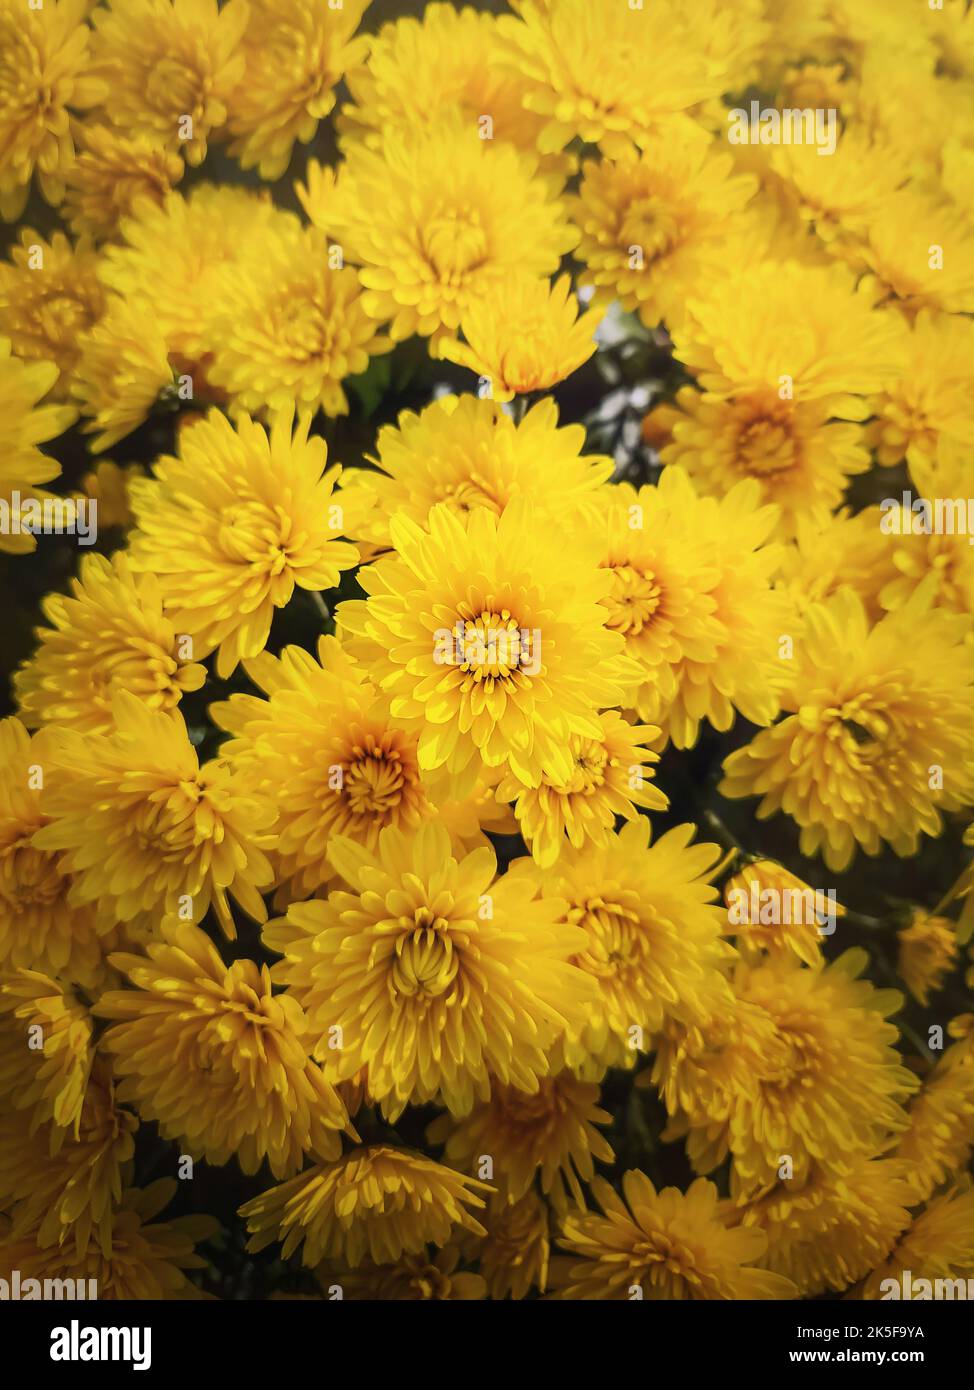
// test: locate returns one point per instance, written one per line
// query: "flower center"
(425, 963)
(633, 600)
(28, 877)
(258, 535)
(765, 444)
(454, 242)
(590, 761)
(492, 647)
(375, 782)
(650, 225)
(612, 936)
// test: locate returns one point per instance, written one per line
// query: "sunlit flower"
(169, 68)
(24, 424)
(920, 249)
(111, 174)
(123, 369)
(669, 1244)
(376, 1202)
(49, 294)
(47, 1049)
(768, 929)
(146, 830)
(233, 525)
(296, 52)
(928, 952)
(876, 740)
(525, 336)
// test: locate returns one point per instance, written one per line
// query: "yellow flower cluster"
(325, 805)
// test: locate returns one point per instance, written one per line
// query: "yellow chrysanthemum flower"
(651, 938)
(827, 1232)
(927, 410)
(876, 740)
(25, 423)
(146, 830)
(653, 223)
(287, 327)
(647, 68)
(798, 332)
(147, 1259)
(938, 1245)
(107, 485)
(524, 336)
(49, 294)
(112, 173)
(66, 1192)
(940, 1138)
(490, 640)
(848, 550)
(938, 565)
(169, 67)
(246, 1084)
(668, 1244)
(377, 1202)
(691, 594)
(325, 734)
(43, 71)
(48, 1077)
(436, 974)
(421, 70)
(418, 1278)
(466, 452)
(801, 458)
(837, 196)
(550, 1135)
(110, 636)
(825, 1085)
(610, 777)
(920, 250)
(515, 1254)
(39, 927)
(799, 934)
(233, 525)
(172, 256)
(437, 219)
(296, 52)
(123, 369)
(927, 952)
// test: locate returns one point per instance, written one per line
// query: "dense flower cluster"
(384, 792)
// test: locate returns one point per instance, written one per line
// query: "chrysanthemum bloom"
(170, 67)
(47, 1049)
(610, 777)
(654, 222)
(800, 456)
(233, 524)
(110, 636)
(172, 255)
(66, 1189)
(296, 52)
(418, 1278)
(940, 1138)
(439, 218)
(245, 1085)
(877, 738)
(550, 1134)
(439, 977)
(848, 550)
(111, 174)
(39, 928)
(24, 424)
(491, 640)
(927, 408)
(920, 249)
(668, 1244)
(326, 735)
(377, 1202)
(784, 919)
(146, 831)
(147, 1259)
(49, 294)
(524, 336)
(466, 452)
(827, 1232)
(829, 1084)
(940, 564)
(938, 1245)
(691, 594)
(43, 71)
(927, 952)
(651, 937)
(645, 69)
(797, 332)
(837, 196)
(515, 1253)
(288, 327)
(123, 368)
